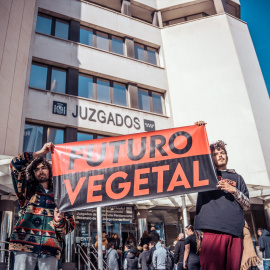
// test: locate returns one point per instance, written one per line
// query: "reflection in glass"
(151, 56)
(139, 52)
(84, 136)
(119, 93)
(117, 45)
(32, 140)
(85, 87)
(56, 136)
(38, 77)
(44, 24)
(61, 29)
(103, 91)
(86, 37)
(157, 103)
(102, 41)
(144, 101)
(58, 80)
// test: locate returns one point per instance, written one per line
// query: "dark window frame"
(54, 19)
(49, 76)
(145, 48)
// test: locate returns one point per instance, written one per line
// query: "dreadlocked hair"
(218, 145)
(30, 175)
(198, 238)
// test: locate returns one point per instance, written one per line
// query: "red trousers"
(221, 251)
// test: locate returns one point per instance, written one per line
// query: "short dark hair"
(218, 145)
(30, 171)
(153, 243)
(260, 229)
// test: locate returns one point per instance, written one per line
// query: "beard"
(42, 178)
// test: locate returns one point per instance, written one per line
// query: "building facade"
(78, 70)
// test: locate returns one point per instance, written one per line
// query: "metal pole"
(184, 208)
(99, 231)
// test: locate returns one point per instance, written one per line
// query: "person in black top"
(154, 235)
(220, 214)
(191, 259)
(145, 239)
(179, 252)
(152, 248)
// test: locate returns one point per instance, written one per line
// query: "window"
(61, 29)
(103, 90)
(150, 101)
(145, 53)
(48, 78)
(35, 136)
(86, 36)
(84, 136)
(119, 94)
(101, 40)
(58, 80)
(157, 103)
(85, 86)
(39, 75)
(52, 26)
(117, 45)
(152, 57)
(144, 100)
(44, 24)
(32, 140)
(139, 52)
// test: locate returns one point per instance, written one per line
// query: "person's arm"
(238, 195)
(176, 253)
(187, 250)
(63, 224)
(154, 260)
(18, 170)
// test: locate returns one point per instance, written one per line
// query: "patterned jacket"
(36, 231)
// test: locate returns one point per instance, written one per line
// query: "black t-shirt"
(192, 241)
(217, 210)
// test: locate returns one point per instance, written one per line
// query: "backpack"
(169, 260)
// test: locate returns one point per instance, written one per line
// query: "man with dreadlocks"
(36, 239)
(219, 213)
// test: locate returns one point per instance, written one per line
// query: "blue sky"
(257, 15)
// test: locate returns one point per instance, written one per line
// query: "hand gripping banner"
(130, 168)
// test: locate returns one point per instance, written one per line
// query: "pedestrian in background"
(179, 252)
(152, 248)
(192, 249)
(154, 235)
(143, 258)
(159, 256)
(112, 257)
(264, 242)
(145, 239)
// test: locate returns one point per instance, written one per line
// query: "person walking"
(191, 259)
(179, 252)
(159, 256)
(152, 248)
(131, 261)
(112, 257)
(145, 239)
(144, 257)
(154, 235)
(264, 243)
(36, 238)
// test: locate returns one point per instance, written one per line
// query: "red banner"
(133, 167)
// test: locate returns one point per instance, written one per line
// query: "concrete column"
(7, 208)
(266, 205)
(142, 221)
(184, 209)
(157, 19)
(126, 7)
(221, 6)
(129, 47)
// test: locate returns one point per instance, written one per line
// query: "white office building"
(75, 70)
